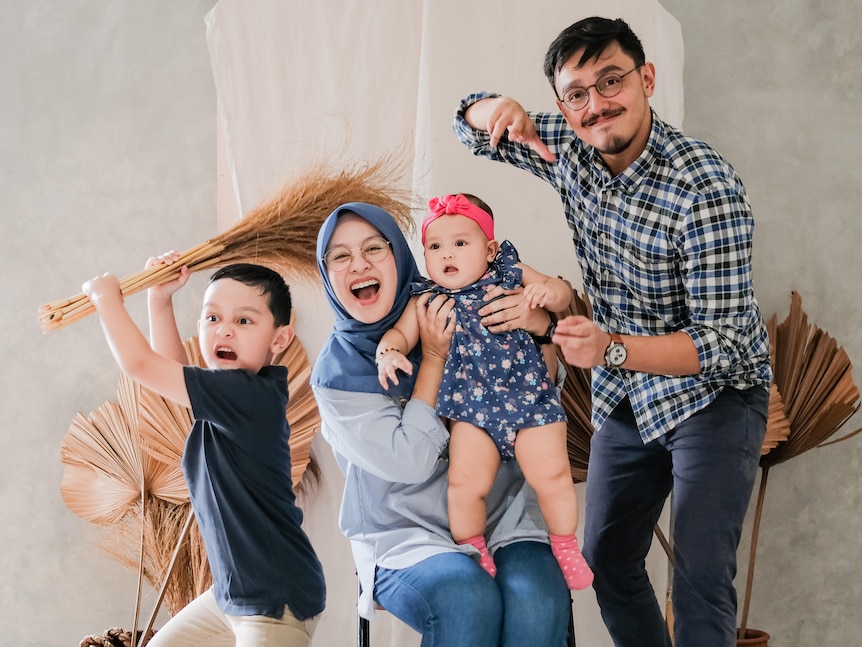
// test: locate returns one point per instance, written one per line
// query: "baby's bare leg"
(473, 464)
(541, 453)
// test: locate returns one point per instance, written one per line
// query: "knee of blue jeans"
(450, 588)
(532, 583)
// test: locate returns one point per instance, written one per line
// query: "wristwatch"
(616, 353)
(544, 340)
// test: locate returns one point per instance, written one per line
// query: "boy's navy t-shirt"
(237, 466)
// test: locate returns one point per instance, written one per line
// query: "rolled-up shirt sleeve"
(716, 249)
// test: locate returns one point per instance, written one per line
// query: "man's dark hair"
(593, 36)
(270, 284)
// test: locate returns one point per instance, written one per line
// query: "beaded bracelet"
(380, 355)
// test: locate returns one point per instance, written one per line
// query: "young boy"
(268, 584)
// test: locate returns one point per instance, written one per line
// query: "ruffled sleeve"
(504, 265)
(422, 286)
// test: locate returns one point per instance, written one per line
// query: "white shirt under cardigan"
(394, 505)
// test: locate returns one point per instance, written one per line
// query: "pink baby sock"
(575, 569)
(485, 559)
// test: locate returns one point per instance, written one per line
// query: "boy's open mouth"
(225, 353)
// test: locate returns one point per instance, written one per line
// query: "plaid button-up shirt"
(664, 246)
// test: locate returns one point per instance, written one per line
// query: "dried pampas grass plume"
(280, 232)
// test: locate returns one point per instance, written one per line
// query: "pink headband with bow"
(458, 205)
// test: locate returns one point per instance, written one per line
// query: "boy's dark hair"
(479, 202)
(594, 36)
(270, 284)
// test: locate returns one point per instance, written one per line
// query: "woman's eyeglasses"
(373, 250)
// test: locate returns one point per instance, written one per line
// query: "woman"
(390, 444)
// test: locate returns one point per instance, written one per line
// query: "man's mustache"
(592, 119)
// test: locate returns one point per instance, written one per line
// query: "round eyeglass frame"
(601, 87)
(376, 255)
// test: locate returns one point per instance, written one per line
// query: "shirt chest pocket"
(649, 273)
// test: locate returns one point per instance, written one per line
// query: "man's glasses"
(373, 250)
(608, 86)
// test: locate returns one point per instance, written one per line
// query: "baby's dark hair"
(479, 202)
(593, 36)
(270, 284)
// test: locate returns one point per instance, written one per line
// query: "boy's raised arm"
(129, 346)
(164, 334)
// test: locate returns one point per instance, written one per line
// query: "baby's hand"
(166, 290)
(536, 295)
(388, 364)
(102, 287)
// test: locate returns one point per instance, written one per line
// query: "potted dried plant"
(815, 390)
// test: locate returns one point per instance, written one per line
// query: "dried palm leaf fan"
(577, 400)
(280, 232)
(813, 381)
(107, 475)
(105, 469)
(777, 424)
(122, 468)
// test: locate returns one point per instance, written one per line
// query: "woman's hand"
(511, 311)
(436, 324)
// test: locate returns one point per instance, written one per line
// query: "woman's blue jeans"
(710, 462)
(453, 602)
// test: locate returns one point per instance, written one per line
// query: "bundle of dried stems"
(812, 379)
(122, 469)
(280, 232)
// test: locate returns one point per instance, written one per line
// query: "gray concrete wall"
(776, 86)
(107, 155)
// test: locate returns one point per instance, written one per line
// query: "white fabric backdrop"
(349, 80)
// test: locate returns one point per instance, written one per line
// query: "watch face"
(617, 355)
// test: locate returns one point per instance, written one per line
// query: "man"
(662, 229)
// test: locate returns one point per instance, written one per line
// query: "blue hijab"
(346, 361)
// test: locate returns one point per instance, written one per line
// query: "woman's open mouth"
(365, 290)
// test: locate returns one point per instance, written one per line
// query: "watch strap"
(544, 340)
